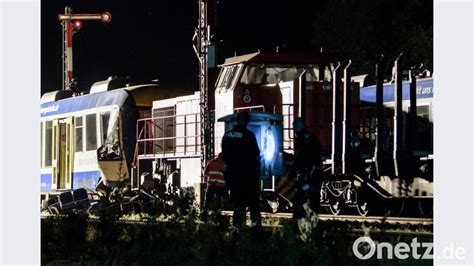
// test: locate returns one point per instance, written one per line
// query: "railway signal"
(104, 17)
(71, 24)
(77, 25)
(205, 51)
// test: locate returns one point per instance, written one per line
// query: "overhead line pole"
(204, 49)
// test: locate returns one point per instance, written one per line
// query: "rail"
(353, 218)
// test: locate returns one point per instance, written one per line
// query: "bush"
(181, 237)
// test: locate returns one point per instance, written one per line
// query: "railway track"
(380, 219)
(329, 217)
(373, 225)
(322, 217)
(355, 218)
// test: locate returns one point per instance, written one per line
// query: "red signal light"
(77, 24)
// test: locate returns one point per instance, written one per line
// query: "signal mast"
(205, 51)
(71, 24)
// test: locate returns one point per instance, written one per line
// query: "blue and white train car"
(86, 139)
(424, 96)
(421, 186)
(424, 110)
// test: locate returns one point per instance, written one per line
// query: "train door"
(63, 153)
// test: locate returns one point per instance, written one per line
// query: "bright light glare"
(77, 24)
(269, 145)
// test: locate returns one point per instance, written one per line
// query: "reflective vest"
(214, 174)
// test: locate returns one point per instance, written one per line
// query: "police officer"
(307, 167)
(242, 158)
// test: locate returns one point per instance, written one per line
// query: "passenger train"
(102, 137)
(75, 128)
(89, 139)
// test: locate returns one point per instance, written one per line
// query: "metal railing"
(172, 135)
(288, 117)
(250, 108)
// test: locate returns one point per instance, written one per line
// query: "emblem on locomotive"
(247, 97)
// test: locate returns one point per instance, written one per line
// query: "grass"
(187, 240)
(181, 235)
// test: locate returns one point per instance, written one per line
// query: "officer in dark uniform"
(242, 158)
(307, 166)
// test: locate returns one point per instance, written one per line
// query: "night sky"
(153, 39)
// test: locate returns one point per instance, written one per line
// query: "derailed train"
(367, 155)
(88, 141)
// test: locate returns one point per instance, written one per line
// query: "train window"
(161, 112)
(48, 142)
(41, 143)
(91, 132)
(79, 133)
(272, 74)
(164, 129)
(238, 70)
(312, 74)
(144, 112)
(422, 111)
(221, 77)
(55, 144)
(327, 74)
(228, 76)
(104, 118)
(253, 75)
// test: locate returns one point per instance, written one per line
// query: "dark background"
(152, 39)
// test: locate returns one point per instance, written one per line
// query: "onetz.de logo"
(365, 248)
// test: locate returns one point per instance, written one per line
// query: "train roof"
(56, 96)
(84, 102)
(290, 58)
(424, 89)
(168, 102)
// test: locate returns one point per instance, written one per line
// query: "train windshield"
(271, 74)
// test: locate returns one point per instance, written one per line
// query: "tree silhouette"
(361, 30)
